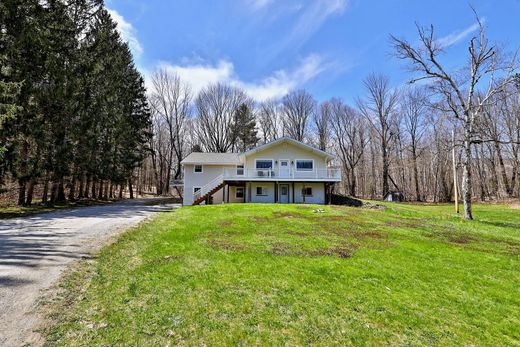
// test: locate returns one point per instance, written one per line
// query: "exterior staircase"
(208, 190)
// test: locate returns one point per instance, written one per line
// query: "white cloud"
(277, 85)
(128, 32)
(458, 36)
(312, 16)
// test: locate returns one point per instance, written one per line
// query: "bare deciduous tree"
(486, 72)
(379, 109)
(269, 120)
(297, 108)
(348, 132)
(170, 100)
(216, 106)
(413, 109)
(321, 123)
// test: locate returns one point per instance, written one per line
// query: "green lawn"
(283, 275)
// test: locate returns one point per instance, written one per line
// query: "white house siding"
(286, 151)
(191, 179)
(268, 198)
(232, 195)
(318, 193)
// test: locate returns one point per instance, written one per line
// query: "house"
(394, 196)
(281, 171)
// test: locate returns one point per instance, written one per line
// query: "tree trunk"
(352, 187)
(105, 193)
(502, 170)
(54, 192)
(21, 192)
(130, 188)
(93, 192)
(30, 191)
(87, 187)
(100, 191)
(61, 191)
(121, 191)
(111, 191)
(386, 187)
(72, 190)
(416, 174)
(466, 178)
(81, 189)
(45, 191)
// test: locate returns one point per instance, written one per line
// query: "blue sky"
(270, 47)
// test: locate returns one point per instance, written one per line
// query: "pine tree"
(244, 128)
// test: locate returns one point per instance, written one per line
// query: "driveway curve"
(35, 250)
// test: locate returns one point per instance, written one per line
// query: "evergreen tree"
(244, 128)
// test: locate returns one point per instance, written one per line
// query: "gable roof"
(212, 158)
(286, 139)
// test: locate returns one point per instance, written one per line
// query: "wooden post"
(227, 194)
(293, 192)
(455, 189)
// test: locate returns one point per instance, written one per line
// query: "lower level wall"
(317, 197)
(250, 193)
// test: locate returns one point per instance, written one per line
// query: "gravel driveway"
(35, 250)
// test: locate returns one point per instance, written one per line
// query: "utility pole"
(456, 193)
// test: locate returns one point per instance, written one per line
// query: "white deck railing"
(330, 173)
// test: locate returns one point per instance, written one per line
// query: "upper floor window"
(197, 169)
(264, 164)
(240, 170)
(304, 165)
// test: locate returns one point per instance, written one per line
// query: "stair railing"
(208, 187)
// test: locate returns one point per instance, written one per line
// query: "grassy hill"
(286, 274)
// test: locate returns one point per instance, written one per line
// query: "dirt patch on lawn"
(338, 251)
(344, 250)
(481, 244)
(226, 223)
(452, 236)
(225, 245)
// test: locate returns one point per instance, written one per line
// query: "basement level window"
(197, 169)
(261, 191)
(307, 191)
(196, 189)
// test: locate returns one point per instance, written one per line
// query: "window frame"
(264, 191)
(304, 193)
(201, 168)
(304, 170)
(240, 166)
(261, 159)
(194, 191)
(243, 193)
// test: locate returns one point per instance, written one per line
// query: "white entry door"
(284, 168)
(284, 193)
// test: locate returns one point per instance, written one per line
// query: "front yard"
(275, 275)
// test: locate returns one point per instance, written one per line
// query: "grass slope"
(274, 275)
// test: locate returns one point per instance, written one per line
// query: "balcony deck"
(318, 175)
